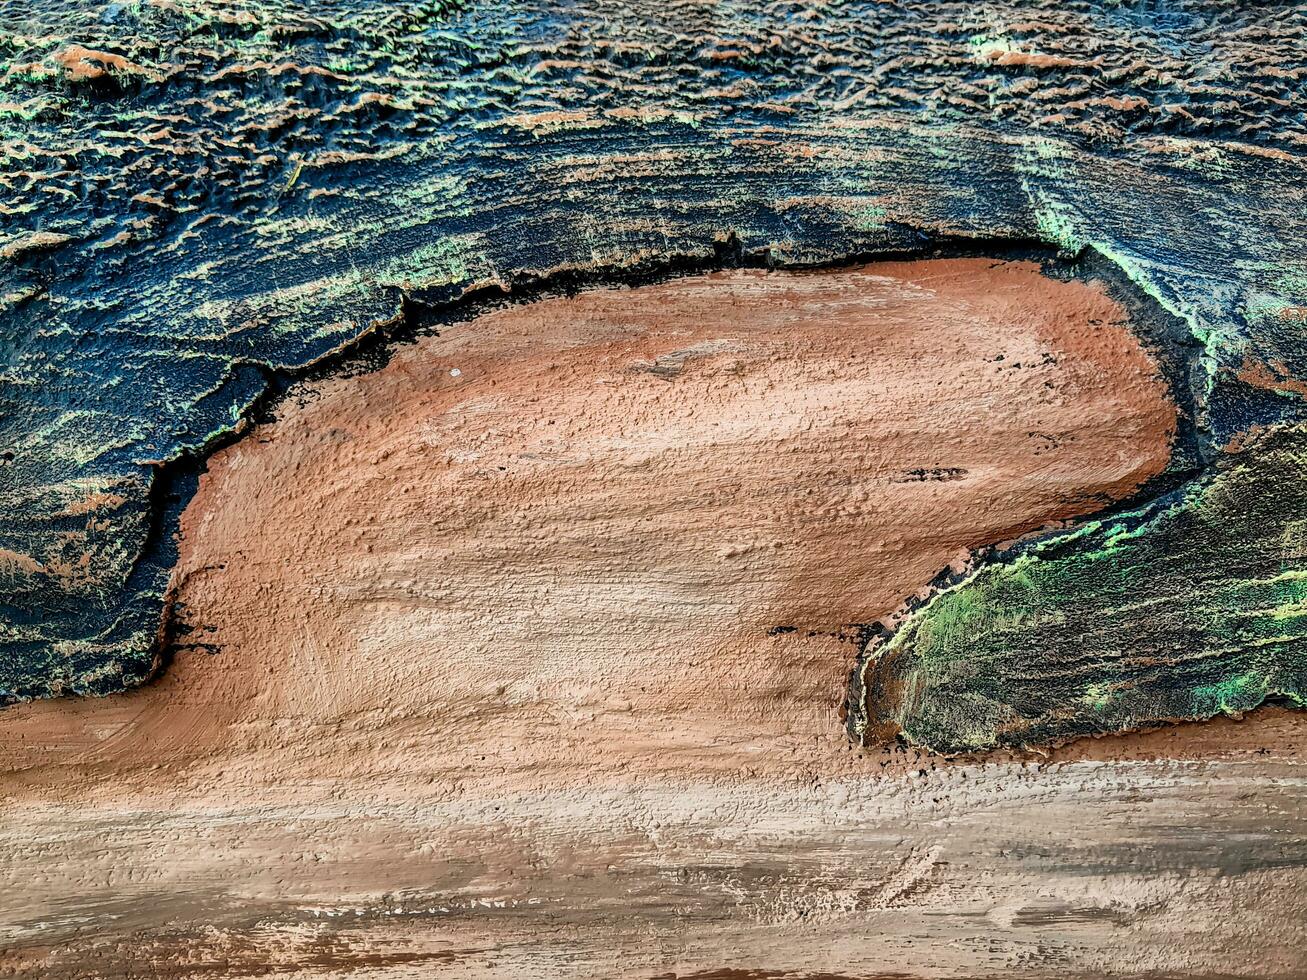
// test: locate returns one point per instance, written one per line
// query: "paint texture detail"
(521, 656)
(202, 199)
(1191, 607)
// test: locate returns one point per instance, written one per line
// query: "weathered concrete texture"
(196, 194)
(1141, 869)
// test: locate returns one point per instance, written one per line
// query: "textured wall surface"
(201, 197)
(551, 665)
(522, 656)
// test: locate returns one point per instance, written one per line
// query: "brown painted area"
(82, 64)
(1273, 376)
(530, 648)
(1269, 729)
(630, 531)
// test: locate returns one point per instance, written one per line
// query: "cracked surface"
(200, 201)
(1123, 624)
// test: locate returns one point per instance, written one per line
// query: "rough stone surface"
(634, 529)
(422, 716)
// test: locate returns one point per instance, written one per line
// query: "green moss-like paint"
(1185, 610)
